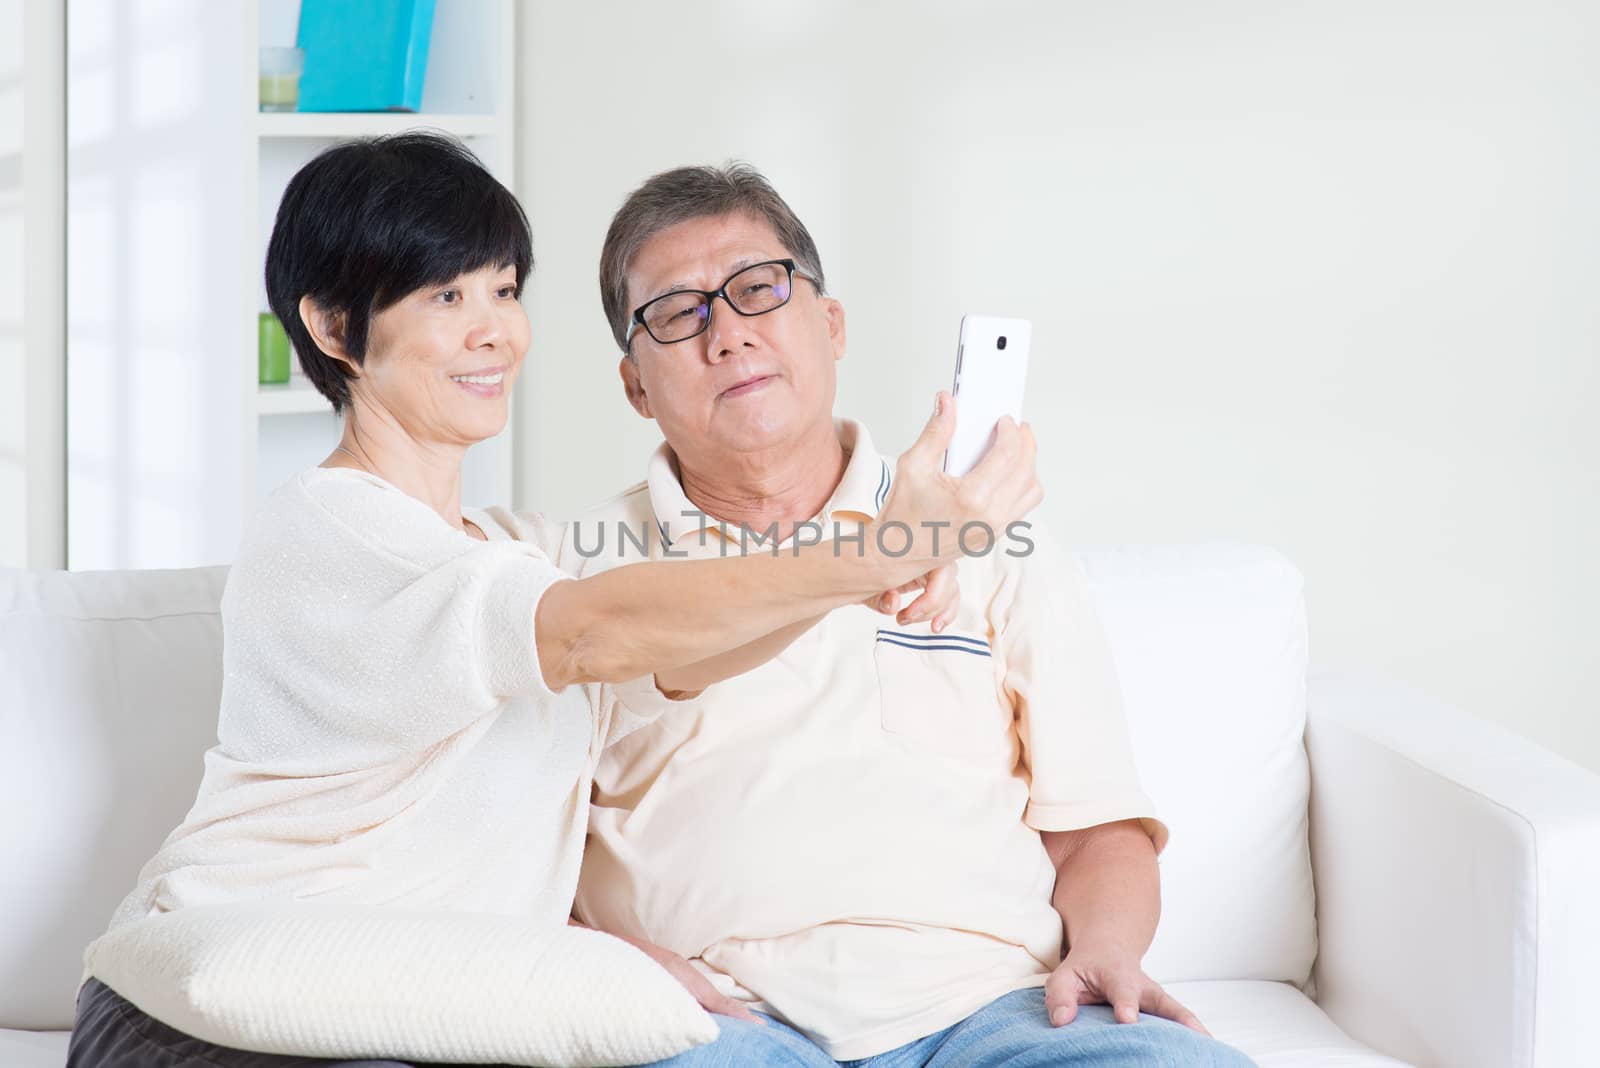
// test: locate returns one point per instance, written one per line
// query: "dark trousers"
(110, 1032)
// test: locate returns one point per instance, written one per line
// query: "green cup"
(272, 350)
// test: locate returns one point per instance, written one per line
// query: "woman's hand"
(685, 973)
(939, 601)
(695, 983)
(929, 508)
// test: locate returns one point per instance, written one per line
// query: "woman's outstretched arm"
(653, 617)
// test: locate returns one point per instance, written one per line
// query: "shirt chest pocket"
(939, 691)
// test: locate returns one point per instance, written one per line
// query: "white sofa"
(1357, 876)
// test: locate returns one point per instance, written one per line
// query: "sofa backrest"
(1210, 645)
(109, 684)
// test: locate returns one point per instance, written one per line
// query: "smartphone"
(991, 367)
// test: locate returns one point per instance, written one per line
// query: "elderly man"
(873, 847)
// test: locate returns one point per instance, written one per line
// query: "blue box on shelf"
(364, 55)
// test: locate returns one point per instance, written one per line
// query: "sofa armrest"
(1457, 872)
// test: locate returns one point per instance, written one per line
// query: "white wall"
(158, 209)
(32, 348)
(1318, 276)
(13, 369)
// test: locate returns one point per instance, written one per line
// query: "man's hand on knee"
(1089, 978)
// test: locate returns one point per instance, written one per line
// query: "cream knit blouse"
(385, 735)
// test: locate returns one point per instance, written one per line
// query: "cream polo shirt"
(847, 836)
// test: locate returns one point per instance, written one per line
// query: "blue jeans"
(1011, 1031)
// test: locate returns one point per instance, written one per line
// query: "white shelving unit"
(337, 125)
(297, 397)
(468, 92)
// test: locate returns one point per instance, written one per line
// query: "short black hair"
(368, 222)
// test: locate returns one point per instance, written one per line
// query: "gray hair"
(684, 193)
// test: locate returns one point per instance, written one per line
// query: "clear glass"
(279, 78)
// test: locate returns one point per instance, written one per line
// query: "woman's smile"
(486, 383)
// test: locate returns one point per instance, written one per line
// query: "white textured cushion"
(1210, 646)
(350, 981)
(109, 684)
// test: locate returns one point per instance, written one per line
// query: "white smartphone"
(991, 368)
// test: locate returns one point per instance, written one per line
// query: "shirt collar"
(859, 495)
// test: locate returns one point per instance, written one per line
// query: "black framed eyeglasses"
(686, 313)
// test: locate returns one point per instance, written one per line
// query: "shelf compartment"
(340, 124)
(293, 398)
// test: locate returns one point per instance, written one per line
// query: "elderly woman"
(402, 720)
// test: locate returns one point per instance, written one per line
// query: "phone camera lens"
(1001, 343)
